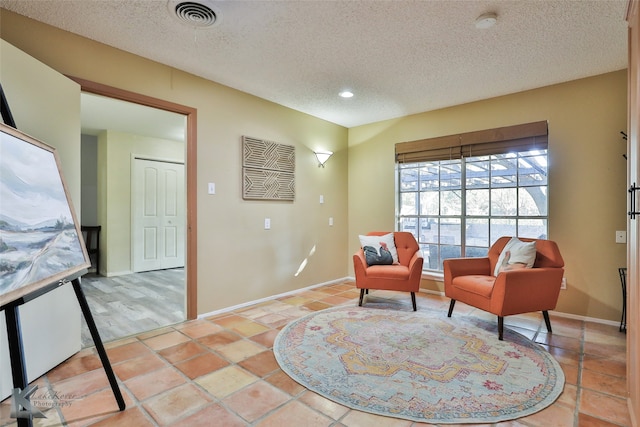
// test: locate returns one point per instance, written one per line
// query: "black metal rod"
(86, 311)
(623, 281)
(16, 355)
(5, 111)
(632, 201)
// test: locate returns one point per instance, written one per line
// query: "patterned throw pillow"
(379, 250)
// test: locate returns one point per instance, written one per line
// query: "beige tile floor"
(221, 371)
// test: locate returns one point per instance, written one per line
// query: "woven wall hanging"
(268, 170)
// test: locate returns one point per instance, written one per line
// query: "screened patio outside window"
(461, 205)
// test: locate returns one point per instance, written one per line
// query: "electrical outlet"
(563, 284)
(267, 223)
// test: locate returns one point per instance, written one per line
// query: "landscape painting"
(40, 239)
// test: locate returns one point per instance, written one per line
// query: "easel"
(16, 349)
(14, 332)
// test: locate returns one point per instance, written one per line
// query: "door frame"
(191, 264)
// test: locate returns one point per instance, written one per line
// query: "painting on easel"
(40, 239)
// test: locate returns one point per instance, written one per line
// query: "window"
(460, 206)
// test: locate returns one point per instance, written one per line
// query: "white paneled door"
(158, 215)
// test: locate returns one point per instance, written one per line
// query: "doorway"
(190, 114)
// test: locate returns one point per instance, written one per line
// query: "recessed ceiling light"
(346, 94)
(486, 20)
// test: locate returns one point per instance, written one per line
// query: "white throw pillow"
(376, 243)
(516, 252)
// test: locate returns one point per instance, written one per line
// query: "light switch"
(267, 223)
(621, 236)
(330, 220)
(212, 188)
(321, 199)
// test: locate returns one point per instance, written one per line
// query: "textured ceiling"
(398, 57)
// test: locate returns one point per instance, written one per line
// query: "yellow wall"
(238, 261)
(587, 176)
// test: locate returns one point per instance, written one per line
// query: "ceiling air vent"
(193, 13)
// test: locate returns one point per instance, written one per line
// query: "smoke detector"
(198, 14)
(486, 20)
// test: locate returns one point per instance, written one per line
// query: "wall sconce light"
(322, 157)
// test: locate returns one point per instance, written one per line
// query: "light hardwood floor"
(133, 303)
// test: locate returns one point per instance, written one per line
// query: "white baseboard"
(557, 313)
(585, 318)
(117, 273)
(343, 279)
(270, 298)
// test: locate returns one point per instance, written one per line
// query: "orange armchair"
(472, 281)
(404, 276)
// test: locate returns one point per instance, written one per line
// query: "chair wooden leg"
(453, 302)
(500, 327)
(413, 301)
(547, 321)
(361, 296)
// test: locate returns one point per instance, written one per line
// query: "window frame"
(511, 144)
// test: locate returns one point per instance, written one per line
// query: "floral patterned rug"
(419, 366)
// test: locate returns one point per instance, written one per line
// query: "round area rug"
(418, 366)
